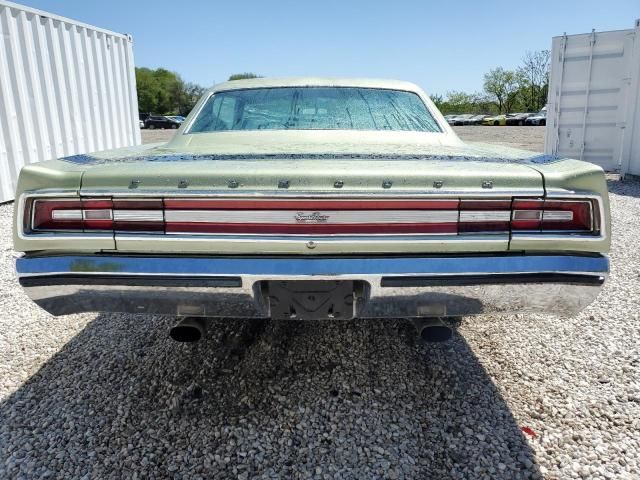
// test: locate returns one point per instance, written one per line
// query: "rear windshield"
(314, 108)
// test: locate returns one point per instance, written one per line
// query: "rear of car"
(518, 118)
(161, 121)
(313, 199)
(539, 119)
(495, 120)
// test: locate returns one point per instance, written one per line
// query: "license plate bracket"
(311, 299)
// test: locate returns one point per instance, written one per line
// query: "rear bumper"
(390, 286)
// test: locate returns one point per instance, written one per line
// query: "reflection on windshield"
(314, 108)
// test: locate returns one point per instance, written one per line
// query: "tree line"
(524, 89)
(504, 91)
(164, 92)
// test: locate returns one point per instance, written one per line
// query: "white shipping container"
(65, 88)
(593, 99)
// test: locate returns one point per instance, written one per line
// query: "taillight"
(484, 216)
(526, 214)
(96, 215)
(138, 215)
(59, 214)
(567, 215)
(550, 215)
(312, 216)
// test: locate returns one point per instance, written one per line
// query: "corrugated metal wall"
(593, 99)
(65, 88)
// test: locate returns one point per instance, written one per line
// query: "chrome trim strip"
(558, 215)
(485, 216)
(138, 215)
(335, 238)
(295, 217)
(66, 215)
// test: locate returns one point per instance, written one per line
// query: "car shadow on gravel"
(358, 399)
(629, 187)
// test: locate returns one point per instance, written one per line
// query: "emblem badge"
(311, 217)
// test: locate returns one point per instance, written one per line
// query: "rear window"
(314, 108)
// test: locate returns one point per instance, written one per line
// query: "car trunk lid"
(314, 203)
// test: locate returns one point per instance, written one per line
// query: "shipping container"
(592, 111)
(65, 88)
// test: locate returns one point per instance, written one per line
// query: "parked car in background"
(476, 120)
(518, 118)
(161, 121)
(275, 200)
(495, 120)
(462, 119)
(539, 118)
(450, 118)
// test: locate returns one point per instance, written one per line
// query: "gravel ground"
(527, 138)
(110, 396)
(155, 136)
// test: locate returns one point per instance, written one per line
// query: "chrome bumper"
(391, 286)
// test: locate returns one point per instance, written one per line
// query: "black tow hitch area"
(312, 299)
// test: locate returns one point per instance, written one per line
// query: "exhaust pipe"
(189, 329)
(436, 333)
(433, 330)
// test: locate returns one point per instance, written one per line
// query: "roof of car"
(316, 82)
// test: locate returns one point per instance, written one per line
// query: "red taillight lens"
(312, 217)
(94, 215)
(60, 214)
(552, 214)
(138, 215)
(567, 215)
(484, 216)
(526, 214)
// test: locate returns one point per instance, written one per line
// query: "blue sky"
(442, 46)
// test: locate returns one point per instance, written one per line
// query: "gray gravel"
(110, 396)
(526, 138)
(156, 136)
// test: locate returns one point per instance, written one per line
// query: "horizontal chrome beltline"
(296, 217)
(236, 286)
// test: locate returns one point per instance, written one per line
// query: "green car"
(313, 198)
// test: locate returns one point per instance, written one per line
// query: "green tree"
(189, 96)
(163, 92)
(243, 76)
(148, 90)
(457, 102)
(438, 100)
(502, 87)
(534, 74)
